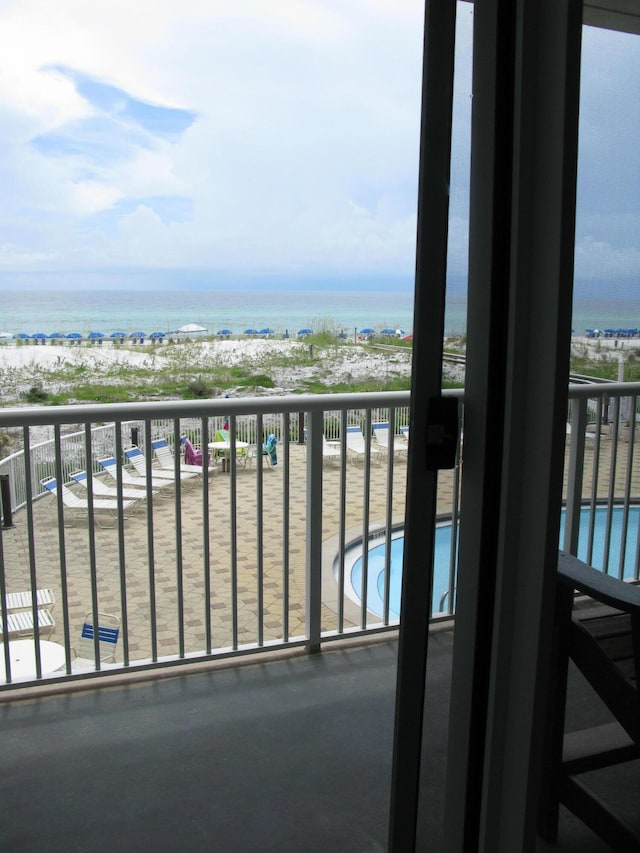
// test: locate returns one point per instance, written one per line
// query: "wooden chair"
(601, 635)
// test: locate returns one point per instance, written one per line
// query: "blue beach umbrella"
(305, 331)
(117, 335)
(155, 336)
(138, 335)
(388, 332)
(224, 332)
(73, 336)
(251, 331)
(266, 331)
(367, 331)
(22, 336)
(39, 336)
(56, 335)
(95, 335)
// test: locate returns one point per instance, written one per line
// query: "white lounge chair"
(330, 452)
(128, 479)
(137, 459)
(21, 624)
(101, 489)
(167, 462)
(357, 448)
(17, 601)
(79, 507)
(381, 435)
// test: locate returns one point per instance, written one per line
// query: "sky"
(203, 141)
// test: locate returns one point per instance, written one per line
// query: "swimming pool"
(377, 554)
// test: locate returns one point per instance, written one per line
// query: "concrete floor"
(284, 755)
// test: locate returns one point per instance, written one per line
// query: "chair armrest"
(604, 588)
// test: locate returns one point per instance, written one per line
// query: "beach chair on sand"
(357, 448)
(105, 509)
(137, 459)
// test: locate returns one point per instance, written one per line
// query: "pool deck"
(15, 543)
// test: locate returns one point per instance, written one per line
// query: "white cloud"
(303, 152)
(599, 260)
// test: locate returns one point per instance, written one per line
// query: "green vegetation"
(36, 395)
(606, 366)
(314, 386)
(322, 363)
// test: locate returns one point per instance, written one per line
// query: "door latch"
(442, 433)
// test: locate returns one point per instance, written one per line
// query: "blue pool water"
(377, 553)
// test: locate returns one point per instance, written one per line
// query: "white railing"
(258, 556)
(226, 563)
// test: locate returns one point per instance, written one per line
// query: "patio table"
(22, 655)
(223, 449)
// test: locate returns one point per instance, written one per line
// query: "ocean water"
(165, 311)
(283, 311)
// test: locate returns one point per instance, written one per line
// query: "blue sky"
(193, 141)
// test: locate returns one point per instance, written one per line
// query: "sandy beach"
(288, 363)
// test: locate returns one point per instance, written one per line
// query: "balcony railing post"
(578, 426)
(313, 553)
(5, 493)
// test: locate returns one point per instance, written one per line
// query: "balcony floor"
(282, 755)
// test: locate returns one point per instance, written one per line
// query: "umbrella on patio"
(305, 331)
(191, 327)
